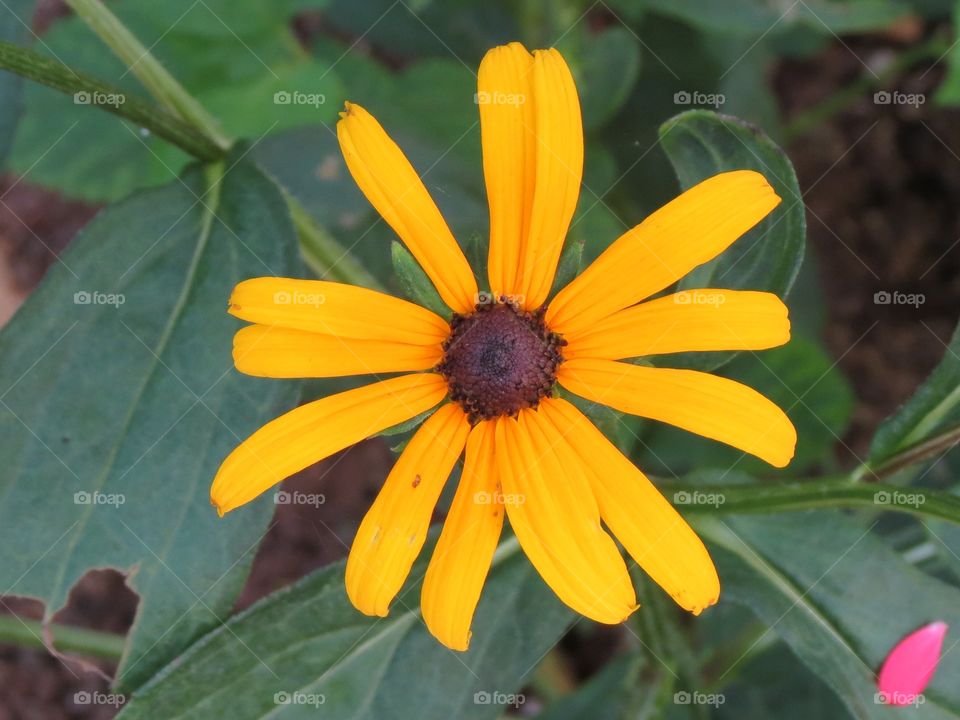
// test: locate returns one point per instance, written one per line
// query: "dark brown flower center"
(500, 359)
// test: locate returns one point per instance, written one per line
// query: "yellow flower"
(489, 370)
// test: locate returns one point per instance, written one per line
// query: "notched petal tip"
(616, 619)
(787, 331)
(509, 47)
(785, 454)
(756, 175)
(457, 644)
(695, 610)
(367, 609)
(349, 110)
(754, 182)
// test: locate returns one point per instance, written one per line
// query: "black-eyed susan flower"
(489, 370)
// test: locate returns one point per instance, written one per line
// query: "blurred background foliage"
(638, 63)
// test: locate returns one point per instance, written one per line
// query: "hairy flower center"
(499, 360)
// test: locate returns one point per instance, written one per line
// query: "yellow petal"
(393, 187)
(693, 320)
(554, 514)
(395, 527)
(465, 549)
(507, 126)
(316, 430)
(533, 163)
(704, 404)
(335, 309)
(271, 351)
(687, 232)
(651, 530)
(559, 172)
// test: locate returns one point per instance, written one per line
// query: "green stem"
(911, 455)
(321, 252)
(717, 500)
(92, 643)
(160, 83)
(325, 256)
(46, 71)
(840, 100)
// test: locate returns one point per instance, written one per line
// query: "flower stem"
(46, 71)
(817, 494)
(325, 256)
(160, 83)
(92, 643)
(911, 455)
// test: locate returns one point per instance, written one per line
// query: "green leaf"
(934, 406)
(840, 598)
(15, 18)
(216, 19)
(605, 66)
(414, 281)
(427, 28)
(309, 164)
(743, 87)
(308, 645)
(120, 401)
(701, 144)
(753, 18)
(296, 95)
(776, 684)
(234, 62)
